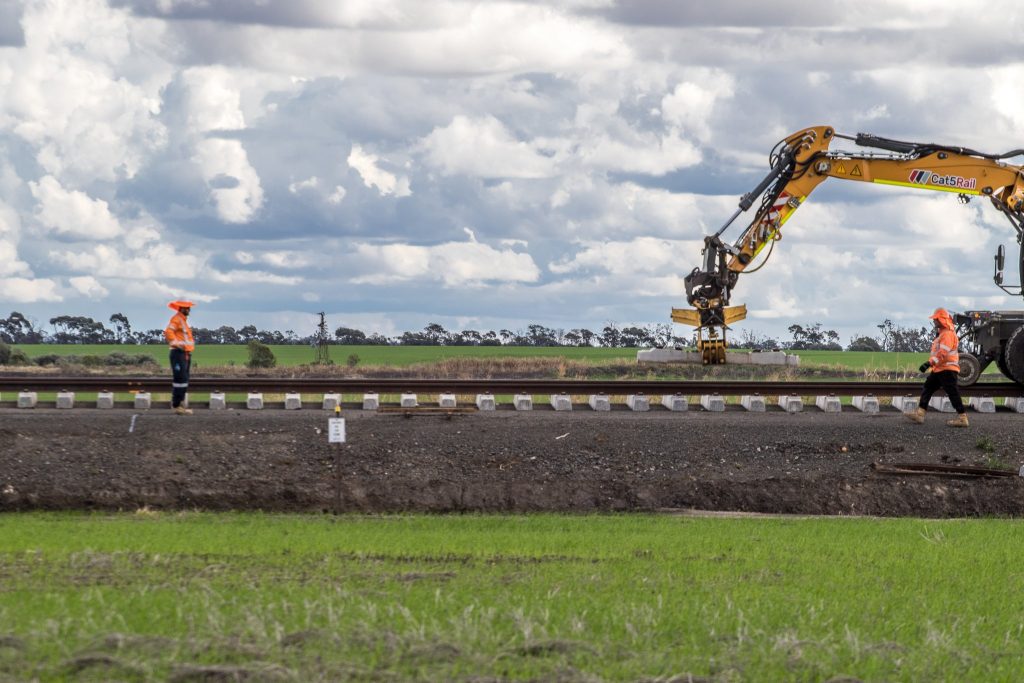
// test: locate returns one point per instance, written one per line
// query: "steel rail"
(496, 386)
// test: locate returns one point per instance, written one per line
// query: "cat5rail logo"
(929, 178)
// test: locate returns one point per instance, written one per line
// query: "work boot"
(917, 416)
(182, 410)
(959, 421)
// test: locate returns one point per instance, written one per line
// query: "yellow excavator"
(802, 161)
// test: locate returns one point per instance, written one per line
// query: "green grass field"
(546, 597)
(409, 355)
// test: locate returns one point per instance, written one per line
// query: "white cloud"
(337, 195)
(484, 148)
(386, 183)
(213, 101)
(641, 256)
(451, 263)
(234, 184)
(88, 286)
(690, 105)
(104, 260)
(172, 293)
(252, 277)
(21, 290)
(307, 184)
(9, 263)
(74, 213)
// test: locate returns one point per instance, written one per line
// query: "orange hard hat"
(940, 313)
(178, 305)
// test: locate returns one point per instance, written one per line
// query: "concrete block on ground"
(447, 400)
(677, 403)
(713, 403)
(791, 403)
(104, 400)
(331, 401)
(408, 401)
(485, 402)
(829, 404)
(1014, 403)
(65, 399)
(753, 402)
(866, 404)
(27, 399)
(292, 401)
(254, 401)
(905, 404)
(218, 401)
(523, 402)
(941, 404)
(600, 402)
(561, 402)
(371, 401)
(143, 400)
(638, 402)
(982, 404)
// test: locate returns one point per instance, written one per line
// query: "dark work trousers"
(945, 380)
(181, 363)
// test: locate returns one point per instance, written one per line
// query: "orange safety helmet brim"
(940, 314)
(178, 305)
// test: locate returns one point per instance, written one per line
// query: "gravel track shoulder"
(807, 463)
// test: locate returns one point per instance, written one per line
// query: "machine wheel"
(1001, 363)
(970, 370)
(1013, 355)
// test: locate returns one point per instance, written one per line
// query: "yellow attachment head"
(692, 316)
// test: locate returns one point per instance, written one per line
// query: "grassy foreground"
(399, 356)
(620, 598)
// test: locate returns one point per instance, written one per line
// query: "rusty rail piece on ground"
(392, 385)
(942, 470)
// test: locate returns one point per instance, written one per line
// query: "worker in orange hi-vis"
(179, 337)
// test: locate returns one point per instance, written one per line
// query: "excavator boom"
(804, 160)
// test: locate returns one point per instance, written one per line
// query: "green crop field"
(157, 596)
(213, 355)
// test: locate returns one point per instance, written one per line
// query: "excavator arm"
(801, 162)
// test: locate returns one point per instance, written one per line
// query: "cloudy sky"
(483, 164)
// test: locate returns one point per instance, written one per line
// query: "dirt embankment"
(809, 463)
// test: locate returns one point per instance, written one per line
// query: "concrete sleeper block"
(143, 400)
(905, 404)
(447, 400)
(65, 399)
(942, 404)
(523, 402)
(28, 399)
(1014, 403)
(292, 401)
(561, 402)
(254, 401)
(791, 403)
(485, 402)
(408, 401)
(829, 404)
(331, 401)
(677, 403)
(600, 402)
(218, 401)
(982, 404)
(754, 403)
(713, 403)
(866, 404)
(638, 403)
(371, 401)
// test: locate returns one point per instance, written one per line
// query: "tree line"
(66, 329)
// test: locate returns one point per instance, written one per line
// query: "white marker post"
(336, 434)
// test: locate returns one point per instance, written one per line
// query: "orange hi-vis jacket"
(179, 334)
(945, 349)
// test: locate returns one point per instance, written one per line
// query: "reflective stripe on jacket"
(179, 334)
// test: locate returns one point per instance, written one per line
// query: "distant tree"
(864, 343)
(260, 355)
(635, 337)
(225, 334)
(750, 339)
(490, 338)
(506, 336)
(377, 339)
(538, 335)
(349, 336)
(610, 335)
(814, 338)
(904, 339)
(122, 329)
(247, 334)
(79, 330)
(436, 335)
(17, 329)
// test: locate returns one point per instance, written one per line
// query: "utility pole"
(322, 350)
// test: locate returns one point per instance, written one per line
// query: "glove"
(925, 367)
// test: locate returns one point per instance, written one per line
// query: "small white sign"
(336, 430)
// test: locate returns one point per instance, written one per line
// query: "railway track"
(312, 385)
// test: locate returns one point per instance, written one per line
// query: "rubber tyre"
(970, 370)
(1001, 364)
(1013, 355)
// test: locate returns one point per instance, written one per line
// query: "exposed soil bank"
(809, 463)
